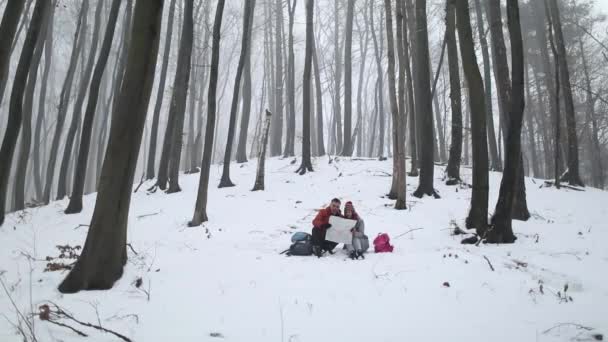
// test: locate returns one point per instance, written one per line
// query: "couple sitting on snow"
(321, 225)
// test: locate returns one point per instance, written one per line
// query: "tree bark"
(398, 138)
(291, 86)
(259, 176)
(408, 30)
(424, 106)
(501, 230)
(453, 168)
(180, 95)
(8, 28)
(495, 163)
(75, 205)
(276, 135)
(241, 151)
(478, 213)
(160, 93)
(306, 89)
(319, 103)
(200, 209)
(105, 251)
(572, 176)
(378, 54)
(16, 101)
(249, 8)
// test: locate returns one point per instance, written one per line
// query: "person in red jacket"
(320, 224)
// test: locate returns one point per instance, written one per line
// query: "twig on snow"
(81, 225)
(132, 249)
(409, 231)
(489, 263)
(146, 215)
(578, 326)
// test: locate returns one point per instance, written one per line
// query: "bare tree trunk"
(276, 135)
(572, 176)
(105, 251)
(77, 110)
(337, 78)
(26, 123)
(410, 26)
(259, 176)
(16, 102)
(48, 55)
(291, 110)
(495, 163)
(453, 168)
(530, 127)
(200, 209)
(306, 87)
(363, 44)
(249, 8)
(241, 151)
(75, 205)
(378, 53)
(398, 138)
(8, 28)
(424, 106)
(64, 98)
(160, 94)
(347, 146)
(478, 214)
(319, 96)
(501, 230)
(180, 95)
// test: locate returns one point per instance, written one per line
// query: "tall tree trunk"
(319, 96)
(64, 99)
(306, 88)
(77, 110)
(378, 53)
(75, 205)
(347, 146)
(337, 78)
(424, 106)
(478, 213)
(530, 126)
(241, 150)
(249, 8)
(26, 123)
(572, 176)
(399, 6)
(409, 24)
(160, 93)
(363, 44)
(291, 87)
(105, 250)
(259, 175)
(180, 95)
(200, 209)
(276, 135)
(453, 168)
(16, 101)
(8, 28)
(501, 230)
(38, 161)
(398, 138)
(503, 84)
(495, 163)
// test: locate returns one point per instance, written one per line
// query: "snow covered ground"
(225, 281)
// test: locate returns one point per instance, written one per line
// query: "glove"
(326, 226)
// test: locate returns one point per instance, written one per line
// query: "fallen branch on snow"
(489, 263)
(578, 326)
(409, 231)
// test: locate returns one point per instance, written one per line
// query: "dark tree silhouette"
(306, 107)
(8, 29)
(453, 168)
(105, 250)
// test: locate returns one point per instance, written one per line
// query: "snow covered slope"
(225, 281)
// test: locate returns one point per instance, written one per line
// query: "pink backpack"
(382, 243)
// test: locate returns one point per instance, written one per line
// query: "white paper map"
(340, 230)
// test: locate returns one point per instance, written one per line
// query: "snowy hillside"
(226, 281)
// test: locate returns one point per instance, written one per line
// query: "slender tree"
(8, 28)
(453, 168)
(200, 209)
(64, 97)
(249, 8)
(276, 134)
(424, 106)
(572, 176)
(501, 230)
(160, 93)
(291, 85)
(259, 175)
(408, 43)
(16, 101)
(306, 89)
(180, 95)
(77, 109)
(105, 250)
(319, 103)
(75, 205)
(241, 150)
(347, 146)
(379, 83)
(478, 213)
(398, 137)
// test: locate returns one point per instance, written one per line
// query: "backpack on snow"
(301, 245)
(382, 243)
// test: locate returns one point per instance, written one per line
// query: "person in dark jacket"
(320, 225)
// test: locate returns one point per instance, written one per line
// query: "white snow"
(225, 281)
